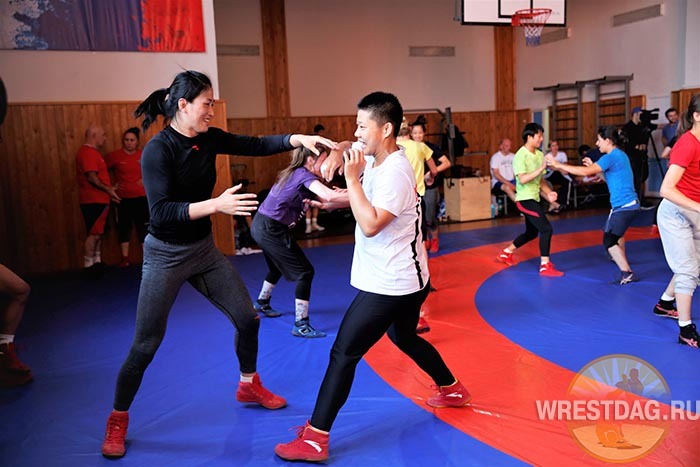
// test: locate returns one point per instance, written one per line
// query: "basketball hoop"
(532, 20)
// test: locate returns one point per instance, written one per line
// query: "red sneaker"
(548, 270)
(423, 326)
(10, 361)
(115, 435)
(506, 258)
(255, 392)
(435, 245)
(455, 395)
(310, 446)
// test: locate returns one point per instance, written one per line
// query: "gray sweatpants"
(166, 267)
(680, 234)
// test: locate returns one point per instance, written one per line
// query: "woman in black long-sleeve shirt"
(179, 173)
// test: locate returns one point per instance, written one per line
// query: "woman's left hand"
(310, 142)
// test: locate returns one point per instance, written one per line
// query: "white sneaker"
(308, 228)
(318, 227)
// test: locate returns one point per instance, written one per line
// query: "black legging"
(132, 211)
(368, 318)
(283, 255)
(535, 222)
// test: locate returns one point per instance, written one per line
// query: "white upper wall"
(241, 78)
(55, 76)
(654, 50)
(339, 51)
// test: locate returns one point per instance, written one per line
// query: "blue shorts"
(497, 187)
(621, 218)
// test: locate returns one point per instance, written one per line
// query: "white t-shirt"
(394, 261)
(504, 164)
(559, 157)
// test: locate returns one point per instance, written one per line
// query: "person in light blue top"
(614, 165)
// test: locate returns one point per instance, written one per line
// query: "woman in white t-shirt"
(389, 268)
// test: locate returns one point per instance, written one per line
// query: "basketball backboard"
(498, 12)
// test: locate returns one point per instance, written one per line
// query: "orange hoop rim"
(531, 16)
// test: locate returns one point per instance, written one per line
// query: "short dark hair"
(669, 110)
(384, 108)
(531, 129)
(319, 128)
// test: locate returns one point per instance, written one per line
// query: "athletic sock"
(265, 292)
(246, 379)
(684, 323)
(668, 298)
(301, 309)
(7, 338)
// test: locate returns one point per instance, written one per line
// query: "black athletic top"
(178, 170)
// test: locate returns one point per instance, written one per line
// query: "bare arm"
(432, 167)
(581, 171)
(95, 181)
(329, 198)
(670, 191)
(444, 163)
(528, 177)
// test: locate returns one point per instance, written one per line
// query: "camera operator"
(638, 130)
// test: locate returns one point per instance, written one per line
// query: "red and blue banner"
(102, 25)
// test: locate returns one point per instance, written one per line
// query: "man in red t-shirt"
(94, 192)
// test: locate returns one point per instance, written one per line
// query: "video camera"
(647, 116)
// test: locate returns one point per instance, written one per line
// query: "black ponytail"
(153, 106)
(186, 85)
(611, 132)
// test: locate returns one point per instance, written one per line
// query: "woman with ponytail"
(679, 224)
(283, 208)
(615, 166)
(178, 166)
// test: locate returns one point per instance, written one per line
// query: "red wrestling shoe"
(255, 393)
(309, 446)
(455, 395)
(548, 270)
(115, 435)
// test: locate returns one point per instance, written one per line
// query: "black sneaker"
(664, 312)
(626, 277)
(689, 336)
(266, 309)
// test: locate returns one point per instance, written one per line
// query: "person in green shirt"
(529, 166)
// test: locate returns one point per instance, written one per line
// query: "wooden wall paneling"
(22, 185)
(684, 97)
(46, 183)
(274, 31)
(43, 229)
(504, 74)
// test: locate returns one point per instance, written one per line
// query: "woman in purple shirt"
(283, 208)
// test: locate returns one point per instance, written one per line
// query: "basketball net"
(532, 21)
